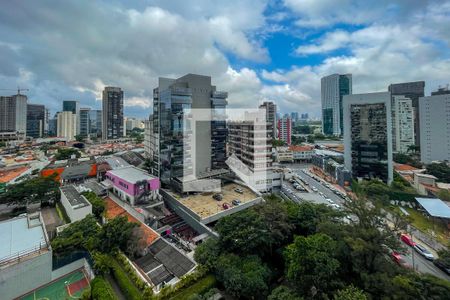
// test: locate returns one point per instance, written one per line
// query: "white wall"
(75, 214)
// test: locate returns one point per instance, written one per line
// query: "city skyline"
(272, 51)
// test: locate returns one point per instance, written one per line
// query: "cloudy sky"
(256, 50)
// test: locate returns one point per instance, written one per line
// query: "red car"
(407, 240)
(399, 259)
(226, 206)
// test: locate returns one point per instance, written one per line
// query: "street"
(420, 263)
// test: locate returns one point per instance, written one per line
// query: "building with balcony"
(112, 113)
(434, 128)
(285, 130)
(402, 124)
(271, 116)
(184, 143)
(13, 117)
(368, 136)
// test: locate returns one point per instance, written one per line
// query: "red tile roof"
(114, 210)
(404, 167)
(8, 175)
(300, 148)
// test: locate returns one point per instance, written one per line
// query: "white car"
(314, 189)
(329, 200)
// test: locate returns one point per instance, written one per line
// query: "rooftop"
(435, 207)
(300, 148)
(18, 237)
(73, 196)
(205, 206)
(404, 167)
(131, 174)
(114, 210)
(8, 174)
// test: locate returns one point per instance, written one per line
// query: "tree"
(80, 235)
(66, 153)
(206, 253)
(310, 139)
(148, 163)
(115, 234)
(244, 232)
(34, 190)
(98, 205)
(444, 195)
(278, 143)
(303, 129)
(350, 293)
(2, 144)
(310, 263)
(444, 257)
(243, 277)
(283, 293)
(440, 170)
(275, 216)
(79, 138)
(102, 264)
(414, 286)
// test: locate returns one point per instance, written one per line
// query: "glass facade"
(344, 89)
(327, 121)
(369, 141)
(35, 120)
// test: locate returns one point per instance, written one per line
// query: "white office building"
(434, 122)
(368, 136)
(67, 125)
(333, 88)
(402, 124)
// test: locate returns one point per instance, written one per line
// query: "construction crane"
(18, 90)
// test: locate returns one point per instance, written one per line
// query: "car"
(226, 205)
(329, 200)
(400, 260)
(314, 189)
(407, 239)
(239, 190)
(236, 202)
(337, 206)
(441, 265)
(217, 197)
(423, 251)
(320, 193)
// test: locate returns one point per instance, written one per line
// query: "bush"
(198, 288)
(126, 285)
(138, 282)
(101, 289)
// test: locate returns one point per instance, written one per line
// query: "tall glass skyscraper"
(112, 109)
(333, 89)
(36, 119)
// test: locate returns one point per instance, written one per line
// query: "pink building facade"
(132, 184)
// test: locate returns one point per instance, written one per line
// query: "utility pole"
(412, 250)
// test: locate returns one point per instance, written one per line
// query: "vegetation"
(298, 140)
(34, 190)
(101, 289)
(303, 129)
(2, 144)
(278, 143)
(98, 205)
(126, 285)
(62, 213)
(196, 290)
(403, 158)
(66, 153)
(280, 250)
(137, 135)
(440, 170)
(79, 138)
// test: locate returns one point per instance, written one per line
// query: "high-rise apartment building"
(85, 121)
(368, 135)
(36, 120)
(13, 115)
(285, 129)
(434, 128)
(71, 105)
(112, 110)
(294, 117)
(333, 88)
(53, 126)
(402, 124)
(441, 91)
(66, 125)
(412, 90)
(250, 142)
(174, 155)
(271, 116)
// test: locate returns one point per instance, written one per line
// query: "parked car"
(236, 202)
(337, 206)
(407, 239)
(226, 205)
(217, 197)
(400, 260)
(441, 265)
(329, 200)
(423, 251)
(314, 189)
(239, 190)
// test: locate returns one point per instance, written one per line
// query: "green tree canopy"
(440, 170)
(66, 153)
(206, 253)
(310, 263)
(98, 205)
(243, 277)
(350, 293)
(284, 293)
(116, 234)
(34, 190)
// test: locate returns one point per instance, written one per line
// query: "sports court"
(70, 286)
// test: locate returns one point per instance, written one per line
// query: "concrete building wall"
(434, 128)
(75, 214)
(25, 276)
(66, 125)
(402, 124)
